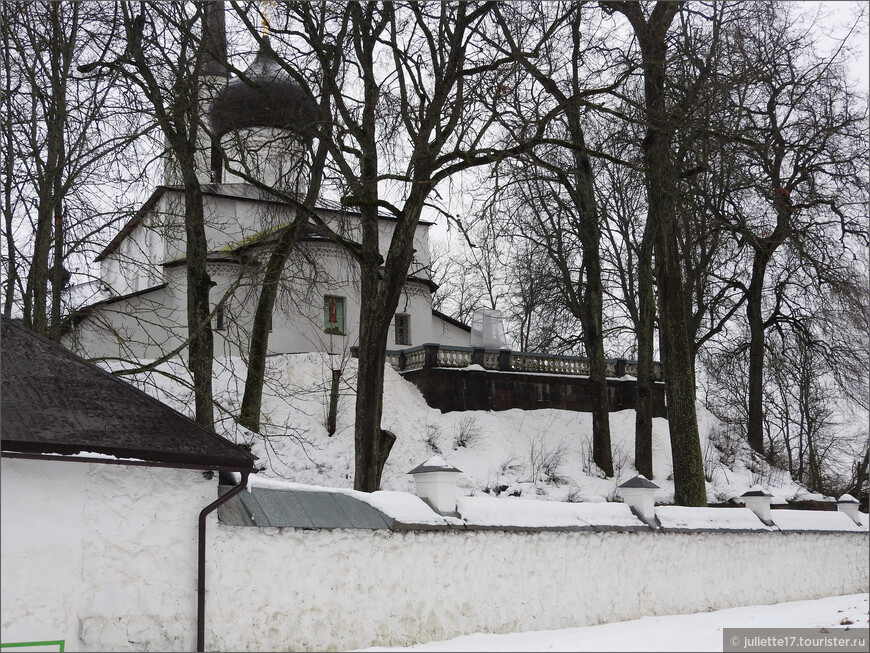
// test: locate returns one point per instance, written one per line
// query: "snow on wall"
(100, 556)
(341, 589)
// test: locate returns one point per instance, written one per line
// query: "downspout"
(200, 581)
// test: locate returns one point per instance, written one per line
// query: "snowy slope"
(542, 453)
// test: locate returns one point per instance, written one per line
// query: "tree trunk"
(59, 275)
(201, 348)
(252, 399)
(369, 460)
(755, 416)
(8, 170)
(590, 310)
(661, 174)
(36, 299)
(332, 416)
(645, 385)
(689, 487)
(368, 439)
(36, 295)
(593, 337)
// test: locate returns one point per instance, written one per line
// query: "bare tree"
(159, 51)
(401, 82)
(798, 137)
(61, 135)
(662, 178)
(550, 45)
(628, 251)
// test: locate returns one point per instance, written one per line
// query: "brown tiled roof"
(54, 402)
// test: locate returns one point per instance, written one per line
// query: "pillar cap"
(639, 481)
(434, 464)
(756, 491)
(847, 498)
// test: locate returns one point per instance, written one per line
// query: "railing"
(504, 360)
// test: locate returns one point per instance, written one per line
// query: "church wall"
(228, 222)
(298, 316)
(143, 326)
(130, 267)
(421, 262)
(167, 222)
(324, 270)
(270, 155)
(150, 324)
(416, 302)
(445, 333)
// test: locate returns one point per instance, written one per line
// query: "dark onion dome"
(263, 96)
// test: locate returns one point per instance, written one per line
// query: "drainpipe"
(200, 581)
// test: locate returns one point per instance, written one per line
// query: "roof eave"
(196, 464)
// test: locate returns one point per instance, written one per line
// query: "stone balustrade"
(504, 360)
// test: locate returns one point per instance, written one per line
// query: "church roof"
(264, 95)
(244, 192)
(54, 402)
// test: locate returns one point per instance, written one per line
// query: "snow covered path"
(693, 632)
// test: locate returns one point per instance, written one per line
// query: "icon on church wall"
(333, 315)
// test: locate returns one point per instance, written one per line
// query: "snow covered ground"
(693, 632)
(541, 454)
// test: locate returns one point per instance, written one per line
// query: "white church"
(142, 313)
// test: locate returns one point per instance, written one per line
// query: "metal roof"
(424, 468)
(301, 509)
(54, 402)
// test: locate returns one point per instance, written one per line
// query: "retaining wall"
(451, 389)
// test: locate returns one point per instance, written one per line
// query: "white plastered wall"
(446, 333)
(100, 556)
(144, 326)
(346, 589)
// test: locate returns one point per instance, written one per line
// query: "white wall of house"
(100, 556)
(152, 323)
(41, 528)
(144, 326)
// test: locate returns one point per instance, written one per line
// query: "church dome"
(264, 96)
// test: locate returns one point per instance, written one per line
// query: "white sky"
(839, 17)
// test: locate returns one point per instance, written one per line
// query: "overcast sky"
(840, 17)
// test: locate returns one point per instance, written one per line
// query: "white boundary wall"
(104, 558)
(289, 589)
